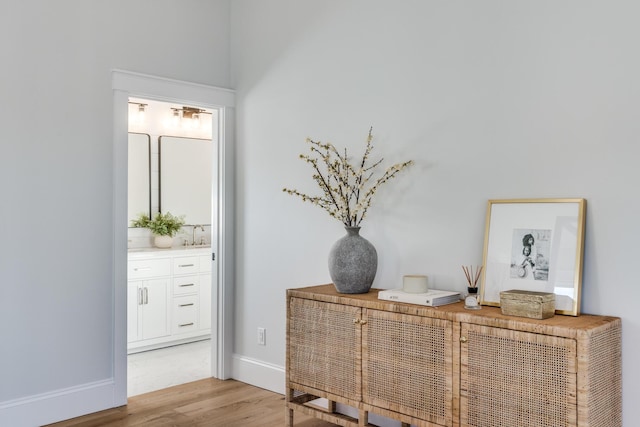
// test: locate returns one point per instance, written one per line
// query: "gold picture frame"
(534, 245)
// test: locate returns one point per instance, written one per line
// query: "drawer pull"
(187, 284)
(186, 265)
(142, 269)
(463, 339)
(186, 324)
(186, 305)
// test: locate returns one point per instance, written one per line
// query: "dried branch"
(344, 188)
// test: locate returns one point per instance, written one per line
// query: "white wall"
(56, 167)
(492, 100)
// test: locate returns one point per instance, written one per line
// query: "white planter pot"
(163, 242)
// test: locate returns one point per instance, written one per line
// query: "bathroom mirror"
(139, 200)
(185, 178)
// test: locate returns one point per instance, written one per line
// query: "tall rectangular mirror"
(185, 178)
(139, 200)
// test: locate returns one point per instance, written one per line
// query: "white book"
(432, 297)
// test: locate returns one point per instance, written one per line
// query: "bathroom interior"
(169, 290)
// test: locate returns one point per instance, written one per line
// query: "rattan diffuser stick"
(472, 277)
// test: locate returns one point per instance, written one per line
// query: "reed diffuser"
(473, 275)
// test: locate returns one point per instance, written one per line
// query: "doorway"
(172, 147)
(127, 85)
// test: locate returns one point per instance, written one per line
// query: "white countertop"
(178, 250)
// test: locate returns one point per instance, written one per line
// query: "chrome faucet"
(193, 235)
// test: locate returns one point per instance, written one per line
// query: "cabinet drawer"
(144, 268)
(185, 314)
(186, 265)
(205, 263)
(186, 285)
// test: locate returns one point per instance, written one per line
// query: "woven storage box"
(535, 305)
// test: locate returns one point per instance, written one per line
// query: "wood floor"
(207, 402)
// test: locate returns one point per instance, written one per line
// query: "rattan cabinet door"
(407, 365)
(324, 348)
(516, 379)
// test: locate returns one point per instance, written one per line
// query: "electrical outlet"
(262, 336)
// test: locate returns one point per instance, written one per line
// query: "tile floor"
(166, 367)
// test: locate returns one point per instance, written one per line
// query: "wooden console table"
(448, 366)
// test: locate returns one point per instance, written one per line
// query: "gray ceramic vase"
(353, 262)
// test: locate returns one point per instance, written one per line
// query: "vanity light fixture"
(139, 116)
(141, 112)
(175, 118)
(189, 112)
(188, 117)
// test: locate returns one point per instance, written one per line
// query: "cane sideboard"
(447, 366)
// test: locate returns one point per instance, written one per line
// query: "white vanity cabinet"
(169, 298)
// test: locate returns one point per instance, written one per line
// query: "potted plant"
(163, 225)
(346, 192)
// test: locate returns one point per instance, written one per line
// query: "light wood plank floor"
(207, 402)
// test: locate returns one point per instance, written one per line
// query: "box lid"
(520, 295)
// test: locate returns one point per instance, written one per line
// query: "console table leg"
(363, 418)
(288, 417)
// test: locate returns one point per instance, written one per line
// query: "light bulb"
(175, 119)
(141, 113)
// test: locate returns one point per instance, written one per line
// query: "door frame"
(124, 85)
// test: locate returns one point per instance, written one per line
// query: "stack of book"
(432, 297)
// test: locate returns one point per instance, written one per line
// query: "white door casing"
(126, 84)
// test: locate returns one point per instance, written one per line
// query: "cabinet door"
(407, 365)
(134, 302)
(510, 378)
(324, 348)
(155, 312)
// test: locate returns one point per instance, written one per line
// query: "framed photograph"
(534, 245)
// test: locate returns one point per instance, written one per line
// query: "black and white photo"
(530, 254)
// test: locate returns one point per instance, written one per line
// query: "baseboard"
(58, 405)
(137, 348)
(258, 373)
